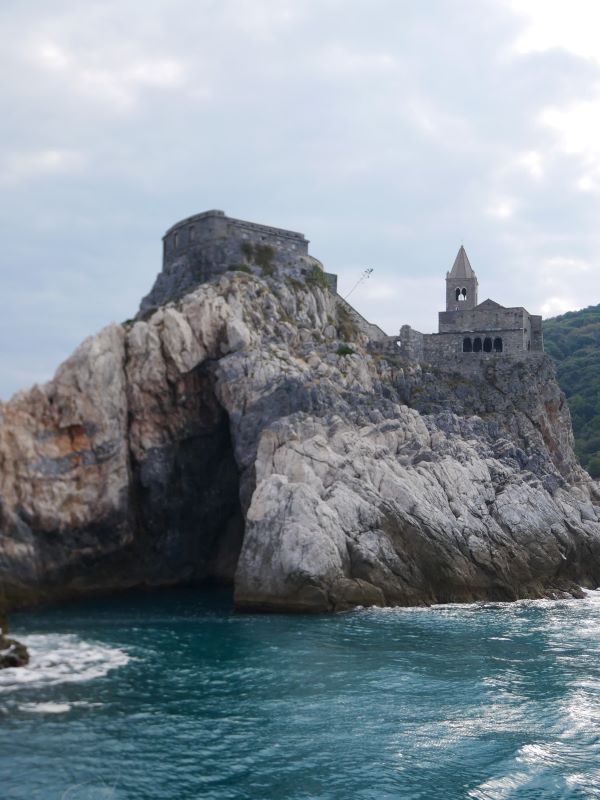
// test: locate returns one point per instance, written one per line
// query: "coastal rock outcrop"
(12, 653)
(245, 434)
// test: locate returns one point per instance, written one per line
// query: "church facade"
(468, 329)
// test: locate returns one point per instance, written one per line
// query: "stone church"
(469, 329)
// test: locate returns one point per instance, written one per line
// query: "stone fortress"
(470, 333)
(206, 245)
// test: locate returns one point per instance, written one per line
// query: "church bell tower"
(461, 284)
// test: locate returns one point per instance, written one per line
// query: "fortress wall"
(537, 334)
(476, 363)
(224, 236)
(374, 332)
(207, 245)
(411, 343)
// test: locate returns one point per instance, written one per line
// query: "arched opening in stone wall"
(477, 345)
(498, 345)
(467, 345)
(487, 345)
(461, 295)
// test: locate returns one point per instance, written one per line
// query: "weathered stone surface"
(223, 438)
(12, 653)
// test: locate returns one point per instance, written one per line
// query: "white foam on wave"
(591, 598)
(55, 708)
(61, 658)
(46, 708)
(501, 788)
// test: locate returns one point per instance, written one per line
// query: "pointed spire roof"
(462, 268)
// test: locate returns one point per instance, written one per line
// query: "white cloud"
(563, 283)
(52, 56)
(263, 20)
(337, 59)
(551, 24)
(106, 74)
(588, 183)
(502, 208)
(532, 163)
(24, 166)
(162, 73)
(576, 126)
(565, 265)
(552, 306)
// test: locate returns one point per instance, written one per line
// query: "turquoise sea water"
(169, 695)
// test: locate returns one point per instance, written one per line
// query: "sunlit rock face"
(224, 438)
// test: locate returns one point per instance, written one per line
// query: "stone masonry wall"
(439, 347)
(446, 349)
(185, 237)
(537, 335)
(482, 319)
(411, 343)
(514, 325)
(206, 245)
(374, 332)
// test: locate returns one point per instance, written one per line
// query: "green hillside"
(573, 340)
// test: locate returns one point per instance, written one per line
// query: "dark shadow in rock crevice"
(189, 519)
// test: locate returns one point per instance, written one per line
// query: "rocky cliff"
(234, 436)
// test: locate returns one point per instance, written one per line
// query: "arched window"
(461, 295)
(457, 294)
(175, 240)
(477, 345)
(464, 294)
(467, 345)
(487, 345)
(497, 345)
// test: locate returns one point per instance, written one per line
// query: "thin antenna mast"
(365, 276)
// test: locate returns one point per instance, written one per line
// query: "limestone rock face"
(224, 438)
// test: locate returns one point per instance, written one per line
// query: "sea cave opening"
(188, 491)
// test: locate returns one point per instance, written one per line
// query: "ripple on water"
(488, 701)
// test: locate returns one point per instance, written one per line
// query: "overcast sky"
(388, 131)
